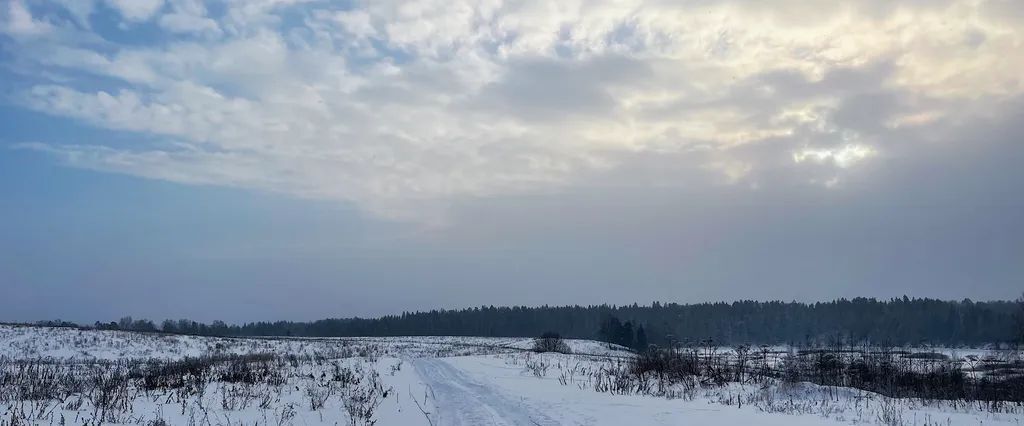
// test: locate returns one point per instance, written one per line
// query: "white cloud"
(397, 104)
(189, 16)
(18, 21)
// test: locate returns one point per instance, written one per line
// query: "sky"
(289, 159)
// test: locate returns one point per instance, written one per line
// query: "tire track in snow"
(460, 400)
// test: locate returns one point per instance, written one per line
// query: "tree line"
(894, 321)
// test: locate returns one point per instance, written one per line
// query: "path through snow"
(460, 400)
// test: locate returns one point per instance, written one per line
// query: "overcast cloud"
(591, 151)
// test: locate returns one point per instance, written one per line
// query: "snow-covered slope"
(26, 342)
(580, 346)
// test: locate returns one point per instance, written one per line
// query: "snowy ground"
(485, 390)
(513, 393)
(83, 345)
(412, 380)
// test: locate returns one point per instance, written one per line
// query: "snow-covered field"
(70, 376)
(69, 344)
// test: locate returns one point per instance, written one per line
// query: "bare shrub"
(361, 401)
(551, 342)
(538, 367)
(318, 394)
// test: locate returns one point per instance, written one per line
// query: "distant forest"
(862, 320)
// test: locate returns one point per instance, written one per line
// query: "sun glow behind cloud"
(844, 157)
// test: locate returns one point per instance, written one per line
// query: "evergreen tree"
(625, 335)
(641, 339)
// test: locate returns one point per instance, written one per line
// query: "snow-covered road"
(461, 400)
